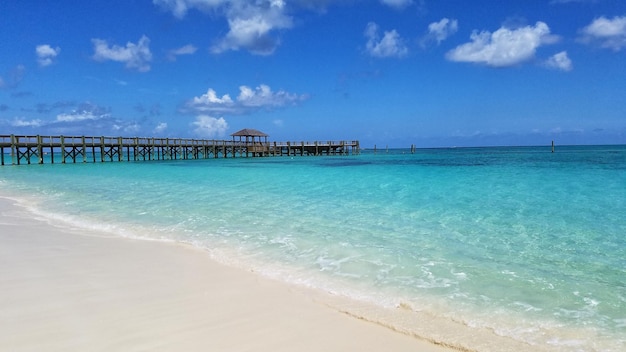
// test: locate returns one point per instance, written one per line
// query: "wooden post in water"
(121, 150)
(102, 149)
(13, 147)
(93, 149)
(62, 150)
(39, 149)
(51, 150)
(553, 146)
(84, 149)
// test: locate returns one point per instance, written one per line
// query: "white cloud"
(207, 126)
(390, 45)
(504, 47)
(262, 96)
(609, 33)
(560, 61)
(85, 112)
(135, 56)
(160, 128)
(248, 100)
(179, 8)
(398, 4)
(440, 31)
(126, 127)
(210, 102)
(251, 23)
(79, 116)
(46, 54)
(250, 27)
(18, 122)
(184, 50)
(211, 98)
(86, 118)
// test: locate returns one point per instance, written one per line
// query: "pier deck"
(18, 150)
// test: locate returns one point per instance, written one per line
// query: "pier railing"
(17, 150)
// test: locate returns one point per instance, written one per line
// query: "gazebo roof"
(249, 132)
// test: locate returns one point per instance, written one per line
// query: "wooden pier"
(19, 150)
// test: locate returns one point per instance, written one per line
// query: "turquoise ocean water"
(521, 243)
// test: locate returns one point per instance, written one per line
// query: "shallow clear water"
(528, 243)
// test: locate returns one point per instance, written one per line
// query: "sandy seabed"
(67, 289)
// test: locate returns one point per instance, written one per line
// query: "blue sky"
(433, 73)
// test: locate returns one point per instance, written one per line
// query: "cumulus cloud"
(184, 50)
(504, 47)
(560, 61)
(210, 102)
(608, 33)
(262, 96)
(84, 112)
(46, 54)
(250, 27)
(398, 4)
(179, 8)
(390, 45)
(440, 31)
(126, 127)
(77, 119)
(19, 122)
(83, 117)
(248, 100)
(251, 23)
(134, 56)
(207, 126)
(77, 116)
(160, 128)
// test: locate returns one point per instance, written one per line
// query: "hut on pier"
(255, 141)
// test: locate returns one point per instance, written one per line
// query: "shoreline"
(75, 289)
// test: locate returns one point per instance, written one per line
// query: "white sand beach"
(66, 289)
